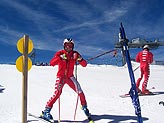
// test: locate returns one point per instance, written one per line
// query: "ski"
(90, 120)
(55, 121)
(133, 92)
(42, 119)
(139, 94)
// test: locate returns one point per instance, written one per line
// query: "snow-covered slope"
(102, 85)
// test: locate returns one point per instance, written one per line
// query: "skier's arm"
(137, 58)
(82, 61)
(54, 61)
(151, 58)
(79, 58)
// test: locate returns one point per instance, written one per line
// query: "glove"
(77, 57)
(63, 56)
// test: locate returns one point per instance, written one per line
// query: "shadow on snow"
(116, 118)
(112, 118)
(1, 90)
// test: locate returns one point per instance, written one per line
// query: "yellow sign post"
(23, 64)
(19, 63)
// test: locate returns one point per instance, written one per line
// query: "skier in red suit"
(66, 59)
(145, 58)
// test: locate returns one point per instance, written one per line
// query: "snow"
(102, 85)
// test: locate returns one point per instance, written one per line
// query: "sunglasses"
(70, 45)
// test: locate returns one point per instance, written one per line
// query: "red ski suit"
(144, 58)
(65, 75)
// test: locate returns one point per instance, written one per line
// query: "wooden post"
(25, 76)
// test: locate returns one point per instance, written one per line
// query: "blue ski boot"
(86, 111)
(46, 114)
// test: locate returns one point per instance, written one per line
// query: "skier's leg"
(146, 77)
(139, 80)
(58, 90)
(74, 84)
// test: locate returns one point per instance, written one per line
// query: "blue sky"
(93, 24)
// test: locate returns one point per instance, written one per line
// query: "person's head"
(146, 47)
(68, 44)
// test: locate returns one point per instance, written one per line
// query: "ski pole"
(77, 95)
(136, 69)
(76, 107)
(101, 55)
(59, 110)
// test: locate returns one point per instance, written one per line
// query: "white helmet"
(68, 40)
(146, 47)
